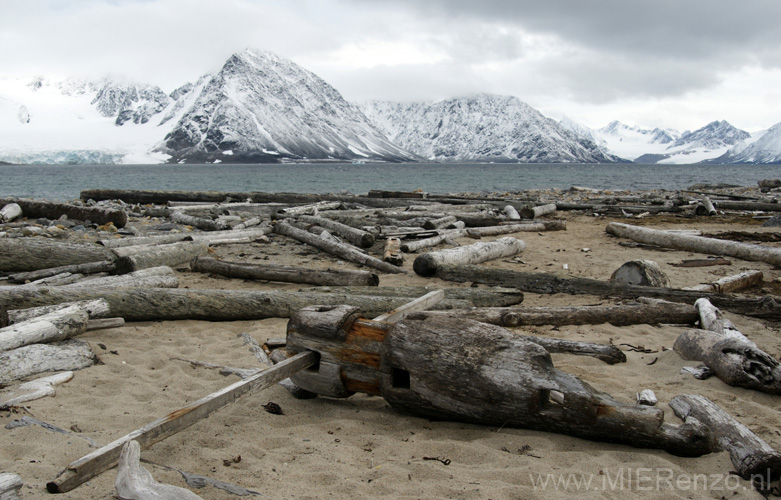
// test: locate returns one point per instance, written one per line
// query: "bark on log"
(87, 268)
(728, 284)
(133, 482)
(641, 272)
(478, 297)
(97, 308)
(106, 457)
(760, 307)
(539, 211)
(413, 246)
(53, 327)
(40, 358)
(752, 457)
(357, 237)
(288, 274)
(729, 354)
(162, 255)
(426, 264)
(619, 315)
(392, 253)
(745, 251)
(51, 210)
(342, 251)
(10, 484)
(32, 254)
(169, 304)
(10, 212)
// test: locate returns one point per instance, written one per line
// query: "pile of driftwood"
(62, 285)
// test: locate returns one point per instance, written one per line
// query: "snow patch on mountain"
(764, 147)
(481, 128)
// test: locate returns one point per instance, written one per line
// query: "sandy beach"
(359, 447)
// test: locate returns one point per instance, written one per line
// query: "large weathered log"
(760, 307)
(106, 457)
(199, 222)
(427, 264)
(729, 354)
(413, 246)
(52, 210)
(86, 268)
(40, 358)
(479, 232)
(728, 284)
(32, 254)
(53, 327)
(338, 250)
(641, 272)
(132, 259)
(168, 304)
(159, 239)
(479, 297)
(355, 236)
(10, 212)
(619, 315)
(752, 457)
(745, 251)
(288, 274)
(133, 482)
(749, 206)
(456, 369)
(97, 308)
(312, 209)
(539, 211)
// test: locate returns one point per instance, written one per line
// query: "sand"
(361, 448)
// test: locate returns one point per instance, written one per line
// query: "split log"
(97, 308)
(338, 250)
(745, 251)
(52, 327)
(479, 297)
(40, 358)
(154, 256)
(32, 254)
(357, 237)
(456, 369)
(545, 283)
(10, 212)
(106, 457)
(426, 264)
(753, 458)
(10, 484)
(619, 315)
(413, 246)
(50, 210)
(641, 272)
(392, 253)
(728, 284)
(169, 304)
(199, 222)
(539, 211)
(133, 482)
(729, 354)
(87, 268)
(705, 207)
(288, 274)
(36, 389)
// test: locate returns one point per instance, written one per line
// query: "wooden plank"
(106, 457)
(419, 304)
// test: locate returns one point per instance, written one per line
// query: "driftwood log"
(32, 254)
(667, 239)
(752, 457)
(728, 284)
(641, 272)
(413, 246)
(141, 257)
(36, 389)
(357, 237)
(761, 307)
(52, 327)
(392, 253)
(52, 210)
(87, 268)
(729, 354)
(427, 264)
(445, 369)
(619, 315)
(479, 232)
(134, 482)
(96, 308)
(538, 211)
(478, 297)
(106, 457)
(288, 274)
(40, 358)
(705, 207)
(10, 212)
(10, 484)
(199, 222)
(342, 251)
(169, 304)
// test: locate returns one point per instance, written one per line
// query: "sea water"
(65, 182)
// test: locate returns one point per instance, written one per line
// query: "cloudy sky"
(666, 63)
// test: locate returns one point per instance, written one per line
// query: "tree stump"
(641, 272)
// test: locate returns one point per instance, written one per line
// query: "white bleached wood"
(40, 358)
(97, 308)
(10, 484)
(37, 389)
(134, 482)
(419, 304)
(426, 264)
(10, 212)
(52, 327)
(728, 284)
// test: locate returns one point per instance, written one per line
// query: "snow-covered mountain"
(764, 147)
(484, 127)
(633, 142)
